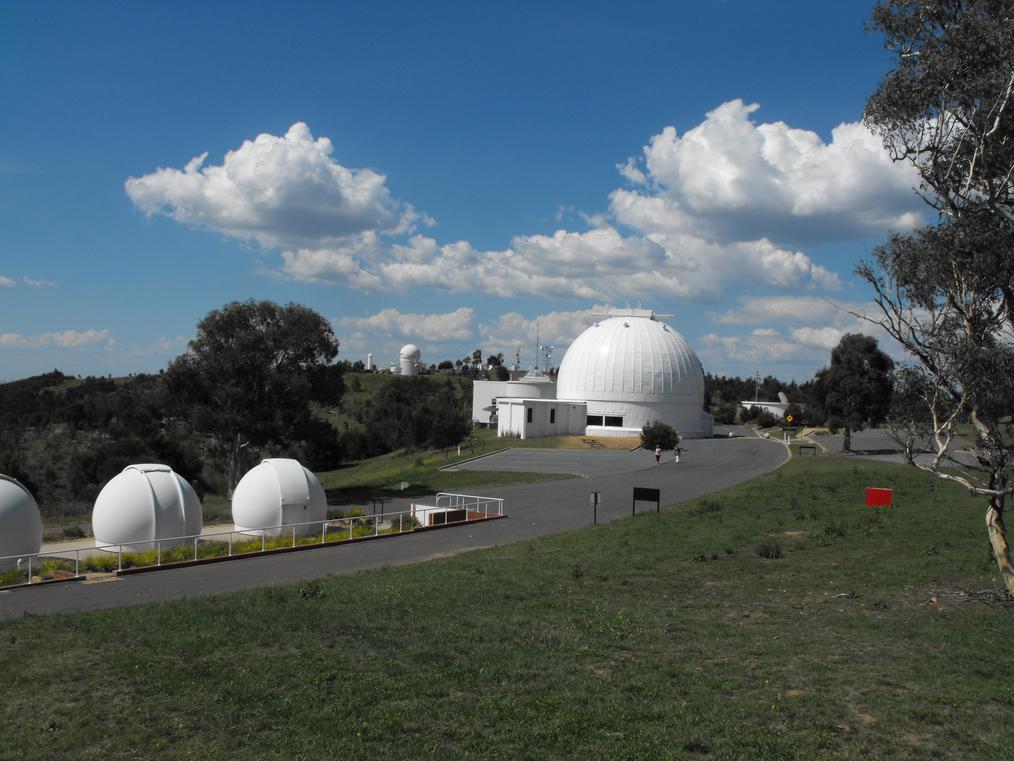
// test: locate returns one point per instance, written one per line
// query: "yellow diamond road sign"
(788, 418)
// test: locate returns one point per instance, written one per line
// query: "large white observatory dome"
(278, 492)
(145, 503)
(633, 369)
(410, 351)
(20, 522)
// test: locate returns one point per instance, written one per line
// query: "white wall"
(484, 392)
(689, 419)
(568, 417)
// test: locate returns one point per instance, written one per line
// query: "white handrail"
(466, 501)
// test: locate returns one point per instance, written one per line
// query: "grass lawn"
(778, 620)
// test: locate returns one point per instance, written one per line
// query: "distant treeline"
(723, 397)
(65, 437)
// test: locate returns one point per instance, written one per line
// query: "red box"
(877, 497)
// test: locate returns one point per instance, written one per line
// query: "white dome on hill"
(279, 492)
(20, 522)
(632, 369)
(145, 503)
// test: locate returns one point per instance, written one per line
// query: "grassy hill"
(780, 619)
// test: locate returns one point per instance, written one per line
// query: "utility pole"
(538, 346)
(756, 386)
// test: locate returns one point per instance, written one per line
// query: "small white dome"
(278, 492)
(410, 351)
(20, 521)
(142, 504)
(631, 356)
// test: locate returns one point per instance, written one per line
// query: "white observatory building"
(626, 370)
(279, 492)
(410, 359)
(20, 522)
(145, 503)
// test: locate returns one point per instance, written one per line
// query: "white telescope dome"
(279, 492)
(20, 521)
(631, 356)
(410, 351)
(145, 503)
(633, 369)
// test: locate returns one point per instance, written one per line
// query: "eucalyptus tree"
(946, 291)
(855, 390)
(251, 375)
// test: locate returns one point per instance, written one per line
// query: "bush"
(658, 434)
(770, 549)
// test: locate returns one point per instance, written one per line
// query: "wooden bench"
(593, 442)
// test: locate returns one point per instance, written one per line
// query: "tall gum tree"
(251, 375)
(946, 291)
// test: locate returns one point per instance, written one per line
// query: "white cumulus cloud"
(278, 191)
(728, 202)
(791, 310)
(67, 339)
(731, 179)
(513, 330)
(449, 326)
(6, 282)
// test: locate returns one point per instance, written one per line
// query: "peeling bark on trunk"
(998, 543)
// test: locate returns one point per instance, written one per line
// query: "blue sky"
(447, 174)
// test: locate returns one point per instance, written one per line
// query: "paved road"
(534, 510)
(878, 444)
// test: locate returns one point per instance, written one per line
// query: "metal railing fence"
(248, 540)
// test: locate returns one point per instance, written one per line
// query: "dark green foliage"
(771, 549)
(64, 438)
(759, 417)
(251, 374)
(855, 390)
(405, 413)
(659, 434)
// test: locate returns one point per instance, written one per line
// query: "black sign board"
(646, 495)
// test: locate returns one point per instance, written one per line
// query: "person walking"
(658, 454)
(676, 453)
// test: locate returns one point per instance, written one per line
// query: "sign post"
(646, 495)
(594, 499)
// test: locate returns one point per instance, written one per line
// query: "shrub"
(659, 434)
(771, 549)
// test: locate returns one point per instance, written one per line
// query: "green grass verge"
(778, 620)
(356, 483)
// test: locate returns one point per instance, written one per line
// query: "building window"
(614, 422)
(552, 416)
(594, 420)
(530, 411)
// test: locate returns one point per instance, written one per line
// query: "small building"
(486, 394)
(532, 418)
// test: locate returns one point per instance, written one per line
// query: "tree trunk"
(235, 463)
(998, 543)
(847, 442)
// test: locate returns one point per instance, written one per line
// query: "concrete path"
(534, 510)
